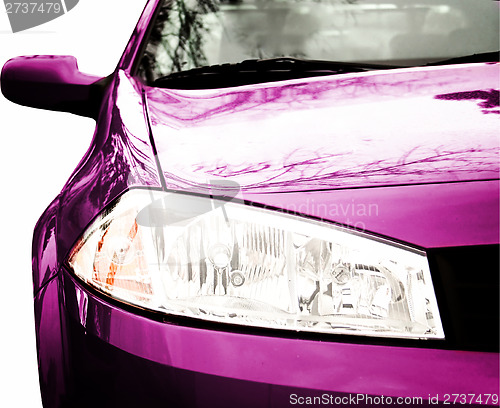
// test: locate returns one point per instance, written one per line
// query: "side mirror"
(54, 83)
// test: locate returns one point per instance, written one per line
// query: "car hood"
(406, 126)
(426, 138)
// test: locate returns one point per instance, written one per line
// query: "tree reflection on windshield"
(194, 33)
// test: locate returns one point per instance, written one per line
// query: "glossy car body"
(410, 154)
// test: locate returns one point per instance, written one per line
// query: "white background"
(39, 150)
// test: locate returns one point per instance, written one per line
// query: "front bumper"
(115, 357)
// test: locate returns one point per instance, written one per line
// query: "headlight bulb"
(220, 257)
(237, 279)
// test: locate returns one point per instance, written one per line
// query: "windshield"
(193, 33)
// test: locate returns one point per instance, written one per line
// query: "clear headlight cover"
(228, 262)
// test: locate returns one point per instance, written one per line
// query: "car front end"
(294, 239)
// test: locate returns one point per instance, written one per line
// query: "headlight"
(228, 262)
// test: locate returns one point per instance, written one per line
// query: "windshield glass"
(195, 33)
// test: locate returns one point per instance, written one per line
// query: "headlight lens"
(228, 262)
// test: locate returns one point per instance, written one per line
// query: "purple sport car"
(285, 203)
